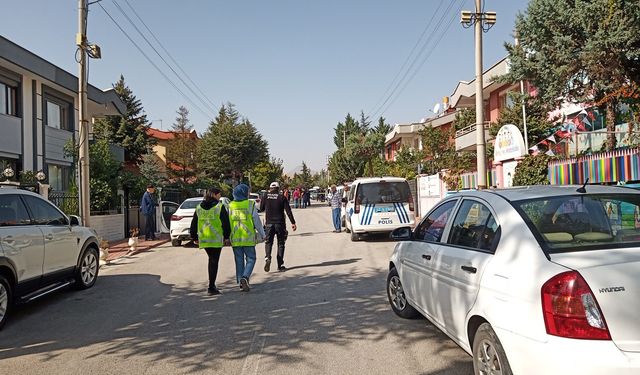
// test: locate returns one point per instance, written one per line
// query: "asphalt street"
(150, 314)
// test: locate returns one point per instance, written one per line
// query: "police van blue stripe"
(404, 211)
(400, 217)
(363, 214)
(371, 214)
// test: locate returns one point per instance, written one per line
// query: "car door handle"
(425, 256)
(49, 236)
(469, 269)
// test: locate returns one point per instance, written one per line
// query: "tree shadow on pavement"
(284, 321)
(327, 264)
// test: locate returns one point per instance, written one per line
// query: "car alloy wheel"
(89, 268)
(4, 301)
(487, 359)
(396, 293)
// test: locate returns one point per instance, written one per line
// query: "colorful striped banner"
(470, 180)
(605, 167)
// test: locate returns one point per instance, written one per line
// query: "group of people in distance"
(213, 227)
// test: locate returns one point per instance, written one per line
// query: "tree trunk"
(611, 124)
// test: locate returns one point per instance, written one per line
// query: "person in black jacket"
(211, 199)
(275, 204)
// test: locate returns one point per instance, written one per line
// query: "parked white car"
(378, 204)
(537, 280)
(42, 250)
(181, 221)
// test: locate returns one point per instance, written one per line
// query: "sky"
(294, 68)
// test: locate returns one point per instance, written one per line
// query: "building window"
(59, 177)
(56, 115)
(8, 99)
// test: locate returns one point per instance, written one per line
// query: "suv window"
(383, 192)
(432, 226)
(12, 211)
(473, 227)
(43, 212)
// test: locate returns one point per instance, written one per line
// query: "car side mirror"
(402, 234)
(74, 221)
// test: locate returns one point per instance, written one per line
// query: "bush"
(533, 170)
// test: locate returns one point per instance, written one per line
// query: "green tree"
(306, 177)
(382, 127)
(440, 154)
(532, 170)
(364, 148)
(407, 164)
(579, 50)
(231, 145)
(464, 117)
(343, 168)
(181, 150)
(266, 172)
(129, 130)
(345, 129)
(104, 176)
(152, 170)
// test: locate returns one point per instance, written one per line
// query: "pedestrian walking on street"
(275, 205)
(210, 227)
(245, 221)
(336, 206)
(296, 198)
(148, 209)
(306, 198)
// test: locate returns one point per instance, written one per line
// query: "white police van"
(378, 204)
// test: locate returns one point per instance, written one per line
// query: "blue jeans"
(244, 269)
(337, 223)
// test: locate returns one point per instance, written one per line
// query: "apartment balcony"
(466, 137)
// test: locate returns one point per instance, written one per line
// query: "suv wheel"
(488, 354)
(87, 272)
(5, 300)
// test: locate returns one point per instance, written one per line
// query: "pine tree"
(231, 146)
(128, 130)
(382, 127)
(181, 154)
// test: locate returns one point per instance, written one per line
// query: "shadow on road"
(139, 316)
(327, 264)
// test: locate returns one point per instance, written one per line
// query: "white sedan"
(534, 280)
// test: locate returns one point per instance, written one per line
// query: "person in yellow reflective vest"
(245, 222)
(210, 227)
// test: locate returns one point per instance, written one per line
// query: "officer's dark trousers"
(214, 258)
(279, 231)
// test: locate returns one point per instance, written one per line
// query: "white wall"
(109, 227)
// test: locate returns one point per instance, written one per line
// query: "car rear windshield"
(383, 192)
(190, 204)
(584, 222)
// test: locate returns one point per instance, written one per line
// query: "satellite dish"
(436, 108)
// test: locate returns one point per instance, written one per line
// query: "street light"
(483, 21)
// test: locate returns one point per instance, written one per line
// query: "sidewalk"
(118, 249)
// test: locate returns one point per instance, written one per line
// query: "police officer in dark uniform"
(275, 204)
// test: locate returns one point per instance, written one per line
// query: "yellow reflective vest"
(210, 227)
(243, 232)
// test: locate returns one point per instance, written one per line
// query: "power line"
(152, 63)
(415, 72)
(403, 81)
(168, 54)
(206, 105)
(393, 81)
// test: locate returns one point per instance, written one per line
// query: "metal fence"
(67, 202)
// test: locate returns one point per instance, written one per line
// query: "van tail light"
(176, 217)
(570, 308)
(410, 201)
(356, 206)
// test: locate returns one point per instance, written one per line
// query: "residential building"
(163, 139)
(39, 113)
(408, 135)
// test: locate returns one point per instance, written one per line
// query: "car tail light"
(570, 309)
(410, 201)
(356, 206)
(176, 217)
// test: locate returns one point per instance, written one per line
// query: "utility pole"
(479, 19)
(524, 111)
(81, 42)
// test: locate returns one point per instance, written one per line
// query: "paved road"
(150, 314)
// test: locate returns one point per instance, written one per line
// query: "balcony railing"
(471, 129)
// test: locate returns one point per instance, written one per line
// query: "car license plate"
(385, 221)
(385, 209)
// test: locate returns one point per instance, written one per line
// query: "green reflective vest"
(210, 227)
(241, 218)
